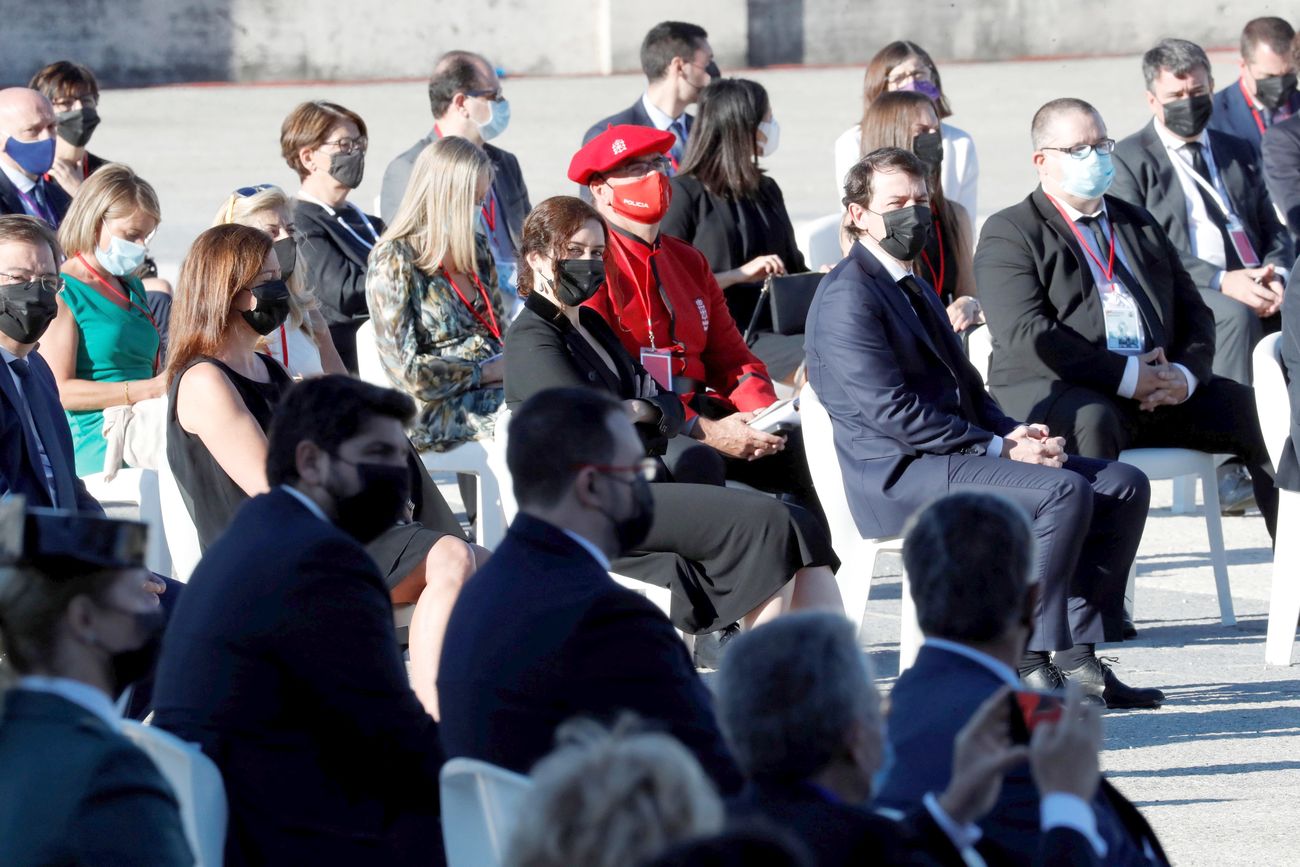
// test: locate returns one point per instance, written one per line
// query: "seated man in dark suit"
(1265, 94)
(281, 660)
(912, 422)
(975, 599)
(542, 633)
(1098, 331)
(1205, 189)
(27, 144)
(466, 100)
(800, 711)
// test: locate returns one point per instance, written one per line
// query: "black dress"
(212, 497)
(730, 232)
(721, 551)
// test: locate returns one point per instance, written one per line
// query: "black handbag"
(789, 298)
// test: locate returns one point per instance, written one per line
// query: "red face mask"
(644, 200)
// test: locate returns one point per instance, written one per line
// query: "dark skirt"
(722, 552)
(401, 548)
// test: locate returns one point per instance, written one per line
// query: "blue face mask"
(33, 157)
(498, 120)
(1087, 178)
(122, 257)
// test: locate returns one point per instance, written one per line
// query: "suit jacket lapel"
(1129, 242)
(30, 448)
(10, 203)
(1169, 184)
(889, 290)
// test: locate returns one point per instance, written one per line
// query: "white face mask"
(771, 131)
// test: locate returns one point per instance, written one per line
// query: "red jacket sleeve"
(731, 369)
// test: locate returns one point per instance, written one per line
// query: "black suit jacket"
(55, 197)
(507, 183)
(542, 634)
(1233, 115)
(890, 393)
(1145, 176)
(21, 471)
(929, 704)
(1282, 169)
(1288, 469)
(76, 791)
(281, 662)
(709, 224)
(1044, 313)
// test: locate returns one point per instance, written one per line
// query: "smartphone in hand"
(1029, 708)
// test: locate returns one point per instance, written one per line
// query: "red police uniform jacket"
(663, 296)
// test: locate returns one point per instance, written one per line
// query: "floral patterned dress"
(432, 340)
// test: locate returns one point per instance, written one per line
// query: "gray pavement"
(1216, 768)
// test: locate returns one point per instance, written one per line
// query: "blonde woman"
(303, 343)
(104, 346)
(432, 291)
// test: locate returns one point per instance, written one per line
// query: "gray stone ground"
(1216, 768)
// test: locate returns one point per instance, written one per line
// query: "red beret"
(615, 146)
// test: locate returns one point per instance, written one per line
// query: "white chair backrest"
(497, 461)
(819, 240)
(197, 784)
(824, 466)
(979, 349)
(1271, 400)
(370, 367)
(178, 527)
(480, 808)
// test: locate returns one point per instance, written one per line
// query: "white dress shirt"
(26, 410)
(308, 503)
(19, 179)
(660, 118)
(596, 554)
(81, 694)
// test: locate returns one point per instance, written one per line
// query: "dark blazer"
(929, 704)
(282, 663)
(542, 634)
(76, 791)
(1145, 176)
(709, 224)
(507, 183)
(839, 834)
(1233, 115)
(544, 350)
(1044, 314)
(1288, 469)
(21, 471)
(893, 398)
(635, 114)
(55, 196)
(1281, 147)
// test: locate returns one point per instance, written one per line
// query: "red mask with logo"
(644, 200)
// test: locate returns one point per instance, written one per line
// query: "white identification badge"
(659, 364)
(1241, 241)
(1123, 328)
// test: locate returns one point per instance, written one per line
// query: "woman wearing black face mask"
(728, 554)
(76, 625)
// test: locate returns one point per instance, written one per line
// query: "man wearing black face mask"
(1265, 94)
(913, 422)
(542, 633)
(283, 663)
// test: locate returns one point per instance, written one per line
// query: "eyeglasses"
(348, 145)
(48, 282)
(1083, 151)
(245, 192)
(640, 168)
(494, 95)
(89, 100)
(645, 469)
(901, 78)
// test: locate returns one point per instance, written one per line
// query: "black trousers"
(1236, 331)
(1087, 522)
(1219, 418)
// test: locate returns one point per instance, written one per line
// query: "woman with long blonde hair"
(303, 343)
(432, 292)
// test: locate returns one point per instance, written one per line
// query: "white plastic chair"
(138, 488)
(469, 457)
(1274, 406)
(198, 787)
(857, 555)
(480, 808)
(1182, 466)
(819, 240)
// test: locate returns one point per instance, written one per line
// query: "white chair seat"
(481, 804)
(1273, 405)
(819, 240)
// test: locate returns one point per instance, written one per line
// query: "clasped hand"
(1034, 444)
(1159, 382)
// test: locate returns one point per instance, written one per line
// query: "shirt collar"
(17, 178)
(997, 666)
(597, 554)
(308, 503)
(889, 263)
(1074, 213)
(1173, 142)
(634, 244)
(657, 116)
(81, 694)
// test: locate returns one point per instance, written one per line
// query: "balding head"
(458, 72)
(1049, 119)
(26, 116)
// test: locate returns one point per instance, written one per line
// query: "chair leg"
(491, 527)
(1214, 529)
(1184, 495)
(1284, 606)
(854, 580)
(910, 637)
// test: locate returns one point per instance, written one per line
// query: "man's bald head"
(458, 72)
(1044, 129)
(25, 116)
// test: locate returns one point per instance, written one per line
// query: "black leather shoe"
(1130, 630)
(1051, 679)
(1236, 493)
(1097, 679)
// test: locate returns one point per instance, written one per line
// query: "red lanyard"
(284, 346)
(626, 265)
(490, 212)
(493, 328)
(130, 302)
(1250, 104)
(1107, 270)
(943, 265)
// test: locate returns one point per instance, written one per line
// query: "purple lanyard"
(34, 205)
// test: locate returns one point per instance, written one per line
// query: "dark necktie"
(65, 496)
(941, 336)
(1202, 168)
(678, 150)
(1124, 276)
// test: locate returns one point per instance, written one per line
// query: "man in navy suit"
(976, 601)
(1265, 93)
(27, 143)
(542, 633)
(281, 660)
(912, 422)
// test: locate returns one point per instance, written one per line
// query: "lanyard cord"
(493, 327)
(130, 303)
(1107, 270)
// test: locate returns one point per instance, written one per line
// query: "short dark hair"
(1179, 56)
(455, 72)
(666, 40)
(552, 435)
(1046, 116)
(62, 79)
(1276, 33)
(857, 183)
(329, 411)
(968, 558)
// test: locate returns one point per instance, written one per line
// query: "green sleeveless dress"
(116, 346)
